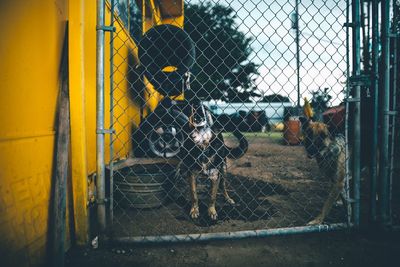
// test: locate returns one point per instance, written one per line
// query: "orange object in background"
(292, 131)
(334, 117)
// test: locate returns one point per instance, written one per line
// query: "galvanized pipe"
(356, 113)
(384, 144)
(297, 52)
(365, 51)
(112, 114)
(375, 90)
(230, 235)
(100, 179)
(346, 121)
(394, 101)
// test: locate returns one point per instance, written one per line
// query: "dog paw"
(212, 213)
(194, 212)
(230, 201)
(315, 221)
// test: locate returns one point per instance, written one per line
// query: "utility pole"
(295, 26)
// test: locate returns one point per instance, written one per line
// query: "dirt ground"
(312, 250)
(274, 185)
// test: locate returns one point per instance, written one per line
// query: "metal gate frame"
(101, 131)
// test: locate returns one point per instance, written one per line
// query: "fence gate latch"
(106, 28)
(390, 113)
(105, 131)
(352, 99)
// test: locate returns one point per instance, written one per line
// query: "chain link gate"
(236, 72)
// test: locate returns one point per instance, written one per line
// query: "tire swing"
(166, 54)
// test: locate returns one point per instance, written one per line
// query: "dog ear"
(307, 109)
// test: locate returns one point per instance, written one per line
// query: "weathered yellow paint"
(171, 12)
(126, 112)
(162, 12)
(29, 88)
(89, 80)
(155, 10)
(156, 13)
(77, 120)
(126, 108)
(30, 52)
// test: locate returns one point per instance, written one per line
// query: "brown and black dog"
(204, 152)
(330, 154)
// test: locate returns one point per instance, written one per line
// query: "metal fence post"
(394, 99)
(384, 144)
(375, 87)
(346, 130)
(100, 179)
(112, 114)
(218, 69)
(297, 52)
(357, 114)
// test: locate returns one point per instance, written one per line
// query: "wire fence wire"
(214, 107)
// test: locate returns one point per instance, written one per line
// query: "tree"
(222, 69)
(132, 18)
(319, 102)
(275, 98)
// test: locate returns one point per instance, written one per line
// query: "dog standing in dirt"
(205, 151)
(331, 157)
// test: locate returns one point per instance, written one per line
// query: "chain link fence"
(208, 137)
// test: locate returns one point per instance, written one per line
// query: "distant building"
(273, 111)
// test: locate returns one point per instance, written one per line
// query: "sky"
(322, 44)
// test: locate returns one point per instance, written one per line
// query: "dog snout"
(202, 136)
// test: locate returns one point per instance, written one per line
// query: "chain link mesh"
(250, 63)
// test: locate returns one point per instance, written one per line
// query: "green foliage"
(132, 18)
(319, 102)
(320, 99)
(275, 98)
(222, 69)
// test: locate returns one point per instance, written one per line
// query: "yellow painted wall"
(29, 87)
(156, 13)
(126, 110)
(83, 100)
(30, 52)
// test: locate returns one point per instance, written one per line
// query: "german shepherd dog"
(330, 155)
(204, 151)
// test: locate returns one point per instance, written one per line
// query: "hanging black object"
(166, 46)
